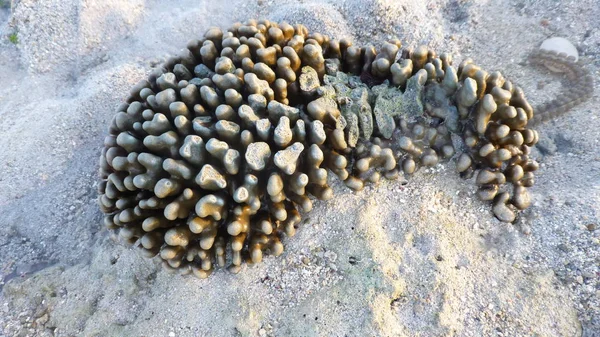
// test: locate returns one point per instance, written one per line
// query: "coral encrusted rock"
(215, 157)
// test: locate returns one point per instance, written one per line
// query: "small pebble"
(561, 45)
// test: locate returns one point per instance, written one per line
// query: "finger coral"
(215, 156)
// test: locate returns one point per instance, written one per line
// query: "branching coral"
(214, 156)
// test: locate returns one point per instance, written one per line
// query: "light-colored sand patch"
(422, 259)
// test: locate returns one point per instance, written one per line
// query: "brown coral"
(211, 160)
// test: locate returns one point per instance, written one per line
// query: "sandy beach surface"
(423, 258)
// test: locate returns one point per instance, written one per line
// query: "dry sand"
(422, 259)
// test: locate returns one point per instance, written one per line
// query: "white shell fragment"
(561, 46)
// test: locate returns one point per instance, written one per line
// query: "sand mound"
(422, 259)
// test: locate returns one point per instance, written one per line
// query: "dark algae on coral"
(213, 158)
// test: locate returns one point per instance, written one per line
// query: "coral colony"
(213, 158)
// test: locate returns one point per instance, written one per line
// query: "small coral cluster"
(214, 157)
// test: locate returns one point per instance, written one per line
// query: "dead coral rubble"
(213, 157)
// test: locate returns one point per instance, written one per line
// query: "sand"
(416, 258)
